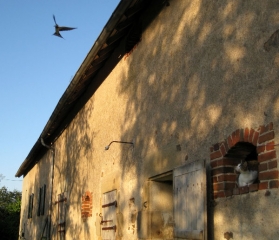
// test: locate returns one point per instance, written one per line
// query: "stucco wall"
(39, 176)
(199, 73)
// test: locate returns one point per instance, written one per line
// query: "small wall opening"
(161, 206)
(244, 152)
(256, 146)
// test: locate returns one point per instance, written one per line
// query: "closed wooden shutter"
(108, 223)
(39, 202)
(190, 201)
(43, 196)
(30, 205)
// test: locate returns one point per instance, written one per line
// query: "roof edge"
(38, 147)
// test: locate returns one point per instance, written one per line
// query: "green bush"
(10, 202)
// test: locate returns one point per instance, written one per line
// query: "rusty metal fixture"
(106, 221)
(109, 228)
(107, 147)
(110, 204)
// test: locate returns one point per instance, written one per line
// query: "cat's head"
(241, 167)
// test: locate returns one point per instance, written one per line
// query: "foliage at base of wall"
(10, 202)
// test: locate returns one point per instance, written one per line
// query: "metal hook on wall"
(107, 147)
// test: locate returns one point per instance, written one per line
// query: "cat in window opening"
(246, 177)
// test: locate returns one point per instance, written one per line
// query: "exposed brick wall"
(86, 205)
(222, 168)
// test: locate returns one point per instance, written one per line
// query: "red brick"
(266, 137)
(264, 129)
(270, 175)
(236, 191)
(274, 184)
(223, 149)
(251, 135)
(253, 187)
(246, 134)
(223, 186)
(255, 138)
(220, 194)
(243, 190)
(241, 135)
(228, 193)
(230, 142)
(214, 179)
(272, 164)
(211, 149)
(270, 125)
(262, 167)
(260, 149)
(226, 161)
(220, 170)
(226, 177)
(226, 145)
(267, 156)
(215, 155)
(263, 185)
(218, 186)
(235, 137)
(214, 164)
(269, 146)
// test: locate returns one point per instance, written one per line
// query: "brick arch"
(222, 168)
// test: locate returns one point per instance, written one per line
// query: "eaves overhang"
(122, 22)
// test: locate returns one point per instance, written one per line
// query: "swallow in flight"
(58, 28)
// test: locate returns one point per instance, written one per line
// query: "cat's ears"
(244, 163)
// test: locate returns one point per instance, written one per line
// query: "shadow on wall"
(74, 171)
(219, 78)
(76, 142)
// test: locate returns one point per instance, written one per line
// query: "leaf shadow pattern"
(197, 82)
(198, 74)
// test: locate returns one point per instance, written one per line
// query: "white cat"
(246, 176)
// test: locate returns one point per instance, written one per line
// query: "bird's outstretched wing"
(65, 28)
(54, 19)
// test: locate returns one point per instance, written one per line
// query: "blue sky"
(36, 67)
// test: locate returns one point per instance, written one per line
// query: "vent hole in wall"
(244, 151)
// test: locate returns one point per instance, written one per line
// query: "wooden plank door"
(108, 223)
(190, 201)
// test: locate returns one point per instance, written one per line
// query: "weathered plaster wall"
(199, 73)
(248, 216)
(32, 182)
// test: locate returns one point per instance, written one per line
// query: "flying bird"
(59, 28)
